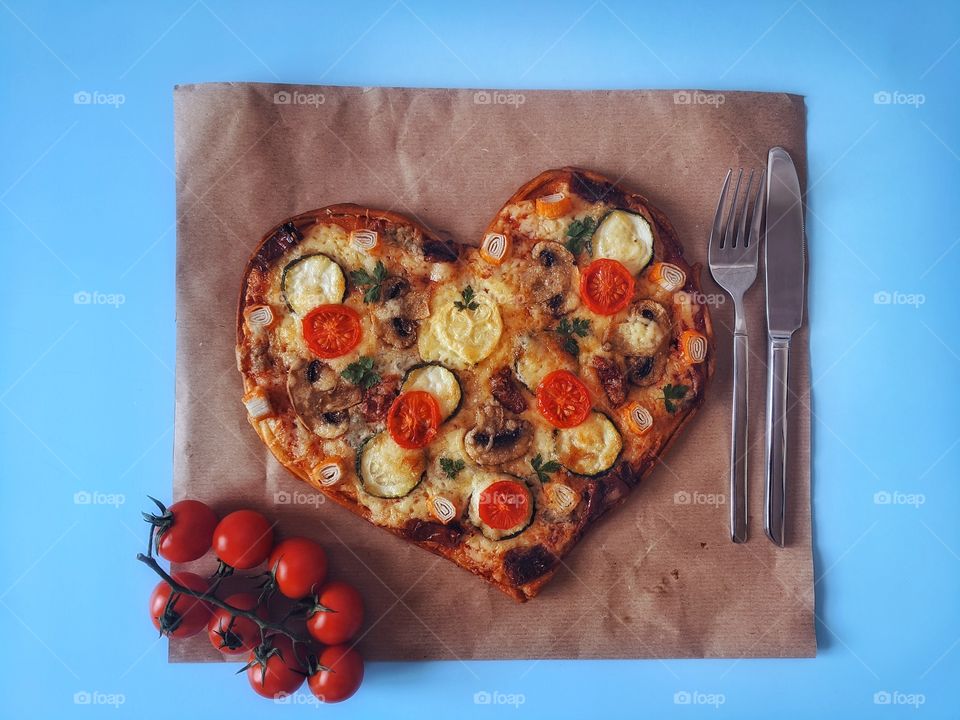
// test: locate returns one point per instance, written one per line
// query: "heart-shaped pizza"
(488, 403)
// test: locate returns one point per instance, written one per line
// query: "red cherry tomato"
(413, 419)
(299, 567)
(243, 539)
(185, 615)
(504, 504)
(233, 634)
(563, 399)
(342, 616)
(277, 675)
(606, 286)
(185, 532)
(342, 679)
(332, 330)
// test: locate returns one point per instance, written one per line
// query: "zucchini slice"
(310, 281)
(484, 481)
(387, 470)
(440, 382)
(625, 237)
(590, 448)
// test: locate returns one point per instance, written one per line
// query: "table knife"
(784, 253)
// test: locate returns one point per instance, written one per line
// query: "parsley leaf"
(580, 235)
(468, 302)
(570, 331)
(673, 394)
(361, 373)
(373, 281)
(543, 469)
(451, 467)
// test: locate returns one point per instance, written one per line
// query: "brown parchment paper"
(658, 576)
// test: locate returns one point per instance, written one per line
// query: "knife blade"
(784, 260)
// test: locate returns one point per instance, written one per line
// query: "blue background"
(87, 204)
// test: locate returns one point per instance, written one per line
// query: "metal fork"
(732, 256)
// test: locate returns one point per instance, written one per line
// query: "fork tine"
(716, 236)
(758, 211)
(731, 218)
(741, 238)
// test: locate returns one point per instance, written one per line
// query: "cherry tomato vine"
(282, 658)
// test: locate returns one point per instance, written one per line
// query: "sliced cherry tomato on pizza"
(331, 330)
(563, 399)
(606, 286)
(413, 419)
(504, 504)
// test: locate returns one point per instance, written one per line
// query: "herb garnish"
(580, 235)
(569, 331)
(543, 469)
(361, 373)
(468, 302)
(451, 467)
(375, 280)
(673, 394)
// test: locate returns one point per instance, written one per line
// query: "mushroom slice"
(645, 370)
(332, 424)
(321, 398)
(395, 319)
(497, 437)
(552, 276)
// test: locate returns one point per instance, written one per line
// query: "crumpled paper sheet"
(658, 576)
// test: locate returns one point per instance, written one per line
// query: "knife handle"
(777, 364)
(738, 445)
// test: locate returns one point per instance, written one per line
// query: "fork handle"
(738, 445)
(775, 504)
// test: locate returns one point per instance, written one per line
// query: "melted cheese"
(537, 355)
(639, 335)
